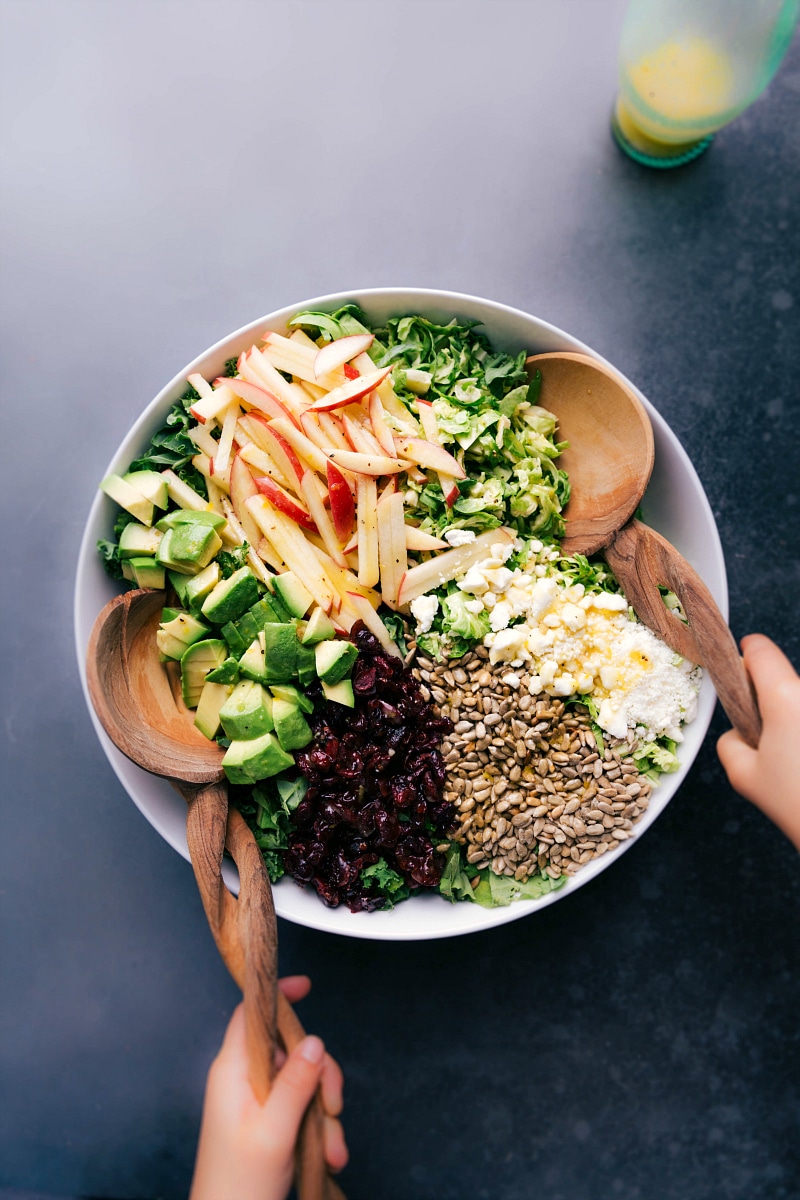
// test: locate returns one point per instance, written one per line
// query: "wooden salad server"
(609, 461)
(133, 699)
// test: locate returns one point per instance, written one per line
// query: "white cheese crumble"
(424, 609)
(458, 537)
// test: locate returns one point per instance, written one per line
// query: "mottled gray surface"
(171, 170)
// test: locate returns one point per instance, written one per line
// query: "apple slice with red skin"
(366, 464)
(242, 487)
(350, 392)
(312, 492)
(427, 419)
(350, 371)
(284, 503)
(261, 399)
(428, 454)
(274, 443)
(343, 510)
(336, 354)
(381, 430)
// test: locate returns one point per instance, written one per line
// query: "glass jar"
(688, 67)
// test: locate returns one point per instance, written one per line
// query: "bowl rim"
(384, 926)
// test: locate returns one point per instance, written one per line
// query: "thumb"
(294, 1088)
(739, 762)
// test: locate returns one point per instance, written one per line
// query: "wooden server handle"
(642, 560)
(245, 931)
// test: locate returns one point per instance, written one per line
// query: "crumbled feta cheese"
(458, 537)
(474, 606)
(511, 680)
(500, 616)
(474, 582)
(424, 609)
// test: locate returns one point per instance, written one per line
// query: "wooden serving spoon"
(132, 696)
(609, 462)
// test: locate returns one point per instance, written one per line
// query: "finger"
(738, 760)
(295, 987)
(293, 1089)
(331, 1086)
(336, 1153)
(233, 1043)
(770, 670)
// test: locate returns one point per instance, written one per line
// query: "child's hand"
(246, 1150)
(769, 776)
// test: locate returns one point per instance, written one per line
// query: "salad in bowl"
(354, 509)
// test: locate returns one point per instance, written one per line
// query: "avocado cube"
(251, 664)
(164, 556)
(212, 697)
(129, 498)
(340, 693)
(291, 727)
(196, 662)
(191, 516)
(267, 612)
(285, 691)
(147, 573)
(169, 646)
(282, 614)
(138, 541)
(306, 665)
(293, 592)
(247, 712)
(248, 627)
(194, 544)
(226, 672)
(334, 660)
(199, 586)
(151, 484)
(231, 597)
(127, 570)
(179, 583)
(183, 626)
(236, 643)
(257, 758)
(280, 652)
(320, 628)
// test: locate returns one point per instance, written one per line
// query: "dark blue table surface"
(172, 170)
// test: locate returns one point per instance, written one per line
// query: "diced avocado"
(169, 646)
(196, 662)
(341, 692)
(151, 484)
(268, 611)
(194, 544)
(248, 627)
(183, 626)
(334, 660)
(138, 541)
(236, 643)
(164, 556)
(129, 498)
(285, 691)
(294, 593)
(258, 758)
(212, 698)
(231, 597)
(280, 652)
(320, 628)
(226, 672)
(179, 583)
(251, 664)
(282, 614)
(147, 573)
(291, 726)
(247, 712)
(199, 586)
(127, 570)
(306, 665)
(191, 516)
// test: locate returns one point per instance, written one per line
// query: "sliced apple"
(264, 401)
(419, 540)
(285, 503)
(367, 529)
(336, 354)
(360, 438)
(183, 495)
(429, 455)
(258, 370)
(297, 359)
(332, 426)
(223, 456)
(270, 555)
(310, 454)
(290, 543)
(350, 371)
(444, 567)
(201, 436)
(212, 400)
(447, 481)
(366, 464)
(345, 581)
(265, 435)
(343, 511)
(392, 558)
(374, 624)
(253, 558)
(311, 489)
(261, 462)
(243, 486)
(356, 389)
(377, 419)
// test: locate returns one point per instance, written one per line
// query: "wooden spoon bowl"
(147, 720)
(609, 461)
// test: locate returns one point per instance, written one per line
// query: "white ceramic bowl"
(675, 504)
